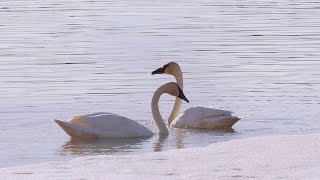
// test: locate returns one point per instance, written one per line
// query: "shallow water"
(61, 58)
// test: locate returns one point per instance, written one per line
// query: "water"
(62, 58)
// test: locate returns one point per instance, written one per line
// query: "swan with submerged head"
(195, 117)
(109, 125)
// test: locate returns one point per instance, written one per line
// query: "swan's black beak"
(182, 96)
(160, 70)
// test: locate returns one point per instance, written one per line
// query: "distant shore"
(272, 157)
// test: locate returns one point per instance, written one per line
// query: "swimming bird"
(195, 117)
(110, 125)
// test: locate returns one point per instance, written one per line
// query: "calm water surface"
(260, 59)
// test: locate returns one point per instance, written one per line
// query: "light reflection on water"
(61, 58)
(137, 145)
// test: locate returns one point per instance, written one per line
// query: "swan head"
(174, 90)
(170, 68)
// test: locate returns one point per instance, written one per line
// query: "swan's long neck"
(163, 130)
(177, 104)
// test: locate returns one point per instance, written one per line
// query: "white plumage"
(103, 125)
(204, 118)
(109, 125)
(195, 117)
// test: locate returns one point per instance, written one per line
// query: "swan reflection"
(158, 145)
(178, 138)
(102, 146)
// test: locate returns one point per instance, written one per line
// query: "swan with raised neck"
(174, 69)
(194, 117)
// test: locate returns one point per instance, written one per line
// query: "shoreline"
(269, 157)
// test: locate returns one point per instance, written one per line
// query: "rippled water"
(61, 58)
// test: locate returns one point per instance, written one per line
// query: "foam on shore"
(274, 157)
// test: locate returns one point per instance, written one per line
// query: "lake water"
(260, 59)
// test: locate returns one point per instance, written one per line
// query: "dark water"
(260, 59)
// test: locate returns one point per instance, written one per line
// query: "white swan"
(109, 125)
(198, 116)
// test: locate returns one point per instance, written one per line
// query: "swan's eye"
(168, 69)
(165, 67)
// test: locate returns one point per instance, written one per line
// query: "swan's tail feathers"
(232, 120)
(75, 131)
(218, 122)
(229, 121)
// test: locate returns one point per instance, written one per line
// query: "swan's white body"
(103, 125)
(199, 117)
(109, 125)
(204, 118)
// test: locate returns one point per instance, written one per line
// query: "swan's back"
(200, 112)
(105, 121)
(104, 125)
(204, 117)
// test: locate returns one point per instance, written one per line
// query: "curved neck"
(163, 130)
(177, 104)
(179, 78)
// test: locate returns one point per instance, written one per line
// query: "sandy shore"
(274, 157)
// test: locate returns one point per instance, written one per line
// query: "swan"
(195, 117)
(110, 125)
